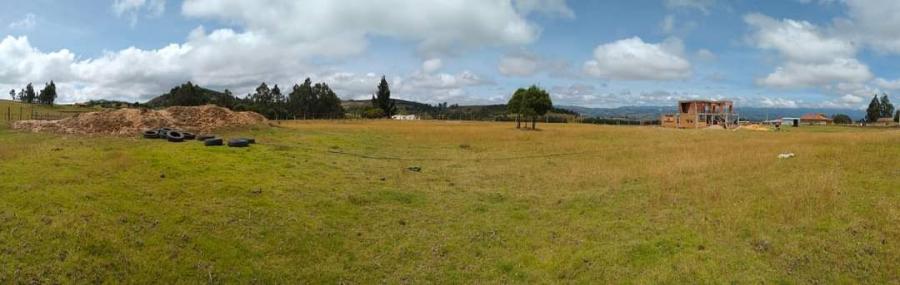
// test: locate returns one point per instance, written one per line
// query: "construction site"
(699, 114)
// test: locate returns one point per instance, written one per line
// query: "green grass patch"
(336, 202)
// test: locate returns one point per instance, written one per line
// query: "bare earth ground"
(330, 202)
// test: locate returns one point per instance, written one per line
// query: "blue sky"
(787, 53)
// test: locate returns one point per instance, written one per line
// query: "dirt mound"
(128, 122)
(755, 127)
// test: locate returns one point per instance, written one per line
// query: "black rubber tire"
(189, 136)
(238, 143)
(213, 142)
(151, 134)
(205, 137)
(250, 141)
(174, 136)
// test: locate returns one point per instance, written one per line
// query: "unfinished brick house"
(697, 114)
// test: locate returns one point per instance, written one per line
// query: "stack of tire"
(174, 135)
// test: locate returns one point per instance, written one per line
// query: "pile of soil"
(130, 122)
(755, 127)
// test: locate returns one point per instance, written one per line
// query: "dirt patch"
(129, 122)
(755, 127)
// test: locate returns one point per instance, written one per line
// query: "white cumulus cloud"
(633, 59)
(278, 46)
(812, 57)
(795, 74)
(326, 25)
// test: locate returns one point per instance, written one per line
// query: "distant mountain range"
(748, 113)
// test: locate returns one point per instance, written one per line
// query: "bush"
(842, 119)
(373, 113)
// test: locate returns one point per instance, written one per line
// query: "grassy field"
(14, 110)
(335, 202)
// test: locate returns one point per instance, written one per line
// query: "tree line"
(305, 100)
(46, 96)
(881, 108)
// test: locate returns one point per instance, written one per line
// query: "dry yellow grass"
(492, 204)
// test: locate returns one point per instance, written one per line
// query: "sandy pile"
(130, 122)
(755, 127)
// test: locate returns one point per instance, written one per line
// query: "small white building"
(790, 122)
(405, 117)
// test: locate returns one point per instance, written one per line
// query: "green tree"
(277, 97)
(897, 117)
(302, 101)
(887, 109)
(30, 96)
(278, 104)
(263, 100)
(328, 105)
(227, 100)
(48, 94)
(51, 98)
(263, 96)
(842, 119)
(514, 106)
(12, 94)
(873, 113)
(187, 94)
(382, 99)
(42, 94)
(536, 103)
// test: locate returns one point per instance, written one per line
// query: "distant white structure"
(405, 117)
(790, 122)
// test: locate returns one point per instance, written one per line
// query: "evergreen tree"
(887, 109)
(51, 98)
(48, 94)
(30, 96)
(301, 101)
(263, 95)
(21, 95)
(328, 104)
(187, 94)
(12, 94)
(897, 117)
(42, 94)
(228, 101)
(277, 106)
(264, 101)
(277, 98)
(874, 110)
(382, 99)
